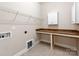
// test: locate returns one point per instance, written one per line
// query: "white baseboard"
(66, 46)
(24, 50)
(21, 52)
(36, 43)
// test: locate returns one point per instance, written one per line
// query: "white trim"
(21, 52)
(36, 43)
(25, 50)
(66, 46)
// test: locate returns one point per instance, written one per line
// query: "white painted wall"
(17, 23)
(65, 13)
(64, 20)
(29, 8)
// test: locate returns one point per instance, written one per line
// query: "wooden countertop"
(71, 32)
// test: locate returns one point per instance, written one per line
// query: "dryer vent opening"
(29, 44)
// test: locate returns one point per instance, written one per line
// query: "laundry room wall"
(64, 10)
(17, 17)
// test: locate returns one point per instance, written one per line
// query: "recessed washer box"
(5, 35)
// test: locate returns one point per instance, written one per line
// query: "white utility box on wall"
(53, 18)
